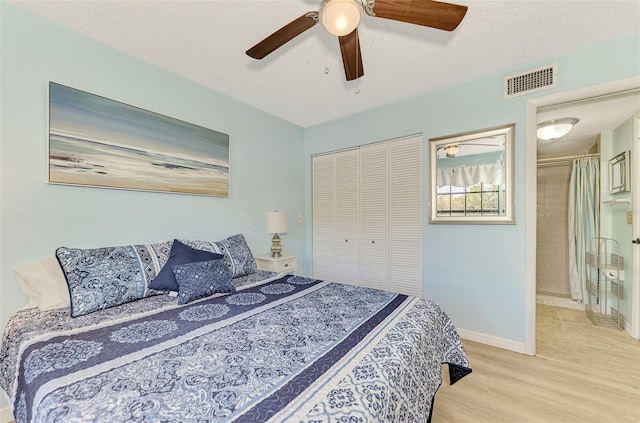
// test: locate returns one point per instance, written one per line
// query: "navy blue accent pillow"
(201, 279)
(180, 254)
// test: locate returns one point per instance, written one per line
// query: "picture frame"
(94, 141)
(619, 173)
(472, 177)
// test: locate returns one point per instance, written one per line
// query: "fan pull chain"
(357, 90)
(326, 49)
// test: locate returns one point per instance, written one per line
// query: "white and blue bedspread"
(290, 349)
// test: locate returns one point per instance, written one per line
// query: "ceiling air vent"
(531, 81)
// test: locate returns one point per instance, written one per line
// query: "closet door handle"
(636, 241)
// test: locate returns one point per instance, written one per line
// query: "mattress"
(283, 349)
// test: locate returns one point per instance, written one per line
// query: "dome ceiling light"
(555, 128)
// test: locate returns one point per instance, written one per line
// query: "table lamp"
(276, 224)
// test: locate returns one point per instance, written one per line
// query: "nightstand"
(283, 264)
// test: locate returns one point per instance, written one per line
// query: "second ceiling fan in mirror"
(451, 151)
(341, 18)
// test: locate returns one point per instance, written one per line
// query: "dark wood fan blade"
(435, 14)
(351, 57)
(283, 35)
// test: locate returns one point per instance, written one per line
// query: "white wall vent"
(531, 81)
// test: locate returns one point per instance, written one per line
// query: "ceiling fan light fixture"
(451, 150)
(555, 128)
(340, 17)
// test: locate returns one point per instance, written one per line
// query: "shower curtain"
(584, 220)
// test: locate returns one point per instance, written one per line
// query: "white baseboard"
(558, 302)
(628, 329)
(494, 341)
(6, 415)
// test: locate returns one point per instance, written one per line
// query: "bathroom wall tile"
(552, 232)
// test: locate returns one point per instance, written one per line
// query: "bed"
(277, 348)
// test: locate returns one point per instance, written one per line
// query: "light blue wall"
(476, 272)
(267, 164)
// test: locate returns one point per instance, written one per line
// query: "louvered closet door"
(347, 217)
(323, 216)
(374, 202)
(405, 221)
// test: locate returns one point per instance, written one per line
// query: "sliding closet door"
(374, 195)
(347, 217)
(367, 216)
(323, 216)
(405, 218)
(336, 217)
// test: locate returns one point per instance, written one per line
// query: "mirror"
(472, 178)
(619, 173)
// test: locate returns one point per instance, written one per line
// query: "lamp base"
(276, 247)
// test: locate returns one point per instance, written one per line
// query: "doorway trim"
(531, 198)
(635, 185)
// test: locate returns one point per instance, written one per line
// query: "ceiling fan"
(451, 150)
(341, 18)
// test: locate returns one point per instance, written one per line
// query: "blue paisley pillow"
(100, 278)
(200, 245)
(180, 254)
(238, 255)
(202, 278)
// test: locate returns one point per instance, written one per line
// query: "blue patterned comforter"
(291, 349)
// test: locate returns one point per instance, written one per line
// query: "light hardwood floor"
(582, 373)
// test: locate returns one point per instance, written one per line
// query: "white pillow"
(44, 283)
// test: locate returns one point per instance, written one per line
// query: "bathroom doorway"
(605, 126)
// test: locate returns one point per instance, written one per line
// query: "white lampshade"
(276, 222)
(340, 17)
(554, 129)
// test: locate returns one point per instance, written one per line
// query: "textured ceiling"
(205, 41)
(596, 115)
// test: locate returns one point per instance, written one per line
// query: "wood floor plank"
(594, 376)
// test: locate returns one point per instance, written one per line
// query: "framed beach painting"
(98, 142)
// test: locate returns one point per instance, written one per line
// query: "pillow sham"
(44, 283)
(238, 255)
(100, 278)
(202, 278)
(200, 245)
(180, 254)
